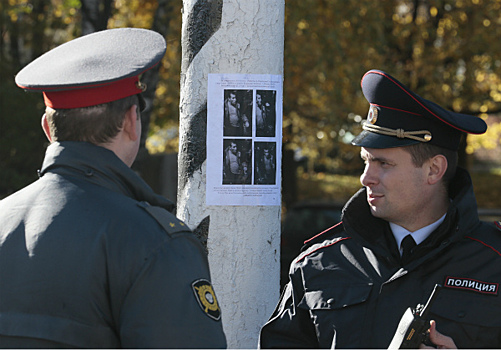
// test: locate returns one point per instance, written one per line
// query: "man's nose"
(369, 176)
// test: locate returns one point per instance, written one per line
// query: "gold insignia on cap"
(372, 115)
(204, 293)
(418, 135)
(141, 86)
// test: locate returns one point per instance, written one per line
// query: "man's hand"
(441, 341)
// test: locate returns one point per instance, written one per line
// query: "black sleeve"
(289, 326)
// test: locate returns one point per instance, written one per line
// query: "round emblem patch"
(372, 115)
(204, 293)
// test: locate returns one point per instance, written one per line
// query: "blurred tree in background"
(445, 50)
(441, 49)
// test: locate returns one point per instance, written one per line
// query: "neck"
(432, 211)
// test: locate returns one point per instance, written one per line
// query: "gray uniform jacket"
(349, 289)
(89, 258)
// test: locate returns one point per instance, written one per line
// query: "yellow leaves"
(302, 25)
(480, 76)
(489, 140)
(496, 95)
(133, 13)
(163, 139)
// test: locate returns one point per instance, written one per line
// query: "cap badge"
(372, 115)
(141, 86)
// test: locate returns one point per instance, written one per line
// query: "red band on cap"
(92, 95)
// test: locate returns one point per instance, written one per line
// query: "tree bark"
(242, 37)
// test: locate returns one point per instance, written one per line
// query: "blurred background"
(445, 50)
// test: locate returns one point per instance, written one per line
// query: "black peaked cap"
(398, 117)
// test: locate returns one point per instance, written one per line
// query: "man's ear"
(45, 127)
(130, 123)
(437, 168)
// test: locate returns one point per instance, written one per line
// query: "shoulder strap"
(167, 220)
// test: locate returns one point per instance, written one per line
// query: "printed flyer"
(244, 139)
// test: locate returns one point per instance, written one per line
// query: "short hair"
(95, 124)
(421, 152)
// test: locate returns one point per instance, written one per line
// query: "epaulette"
(322, 236)
(489, 237)
(169, 222)
(326, 243)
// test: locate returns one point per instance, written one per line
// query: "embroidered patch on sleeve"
(204, 293)
(471, 285)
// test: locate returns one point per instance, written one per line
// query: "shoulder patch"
(206, 298)
(167, 220)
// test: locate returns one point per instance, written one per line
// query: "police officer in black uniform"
(413, 225)
(90, 257)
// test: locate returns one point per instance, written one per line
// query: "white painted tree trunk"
(243, 241)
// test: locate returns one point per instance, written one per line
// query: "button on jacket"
(90, 258)
(349, 288)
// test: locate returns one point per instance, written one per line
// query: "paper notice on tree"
(244, 139)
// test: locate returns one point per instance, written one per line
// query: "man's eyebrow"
(368, 156)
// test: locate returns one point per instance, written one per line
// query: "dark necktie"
(407, 244)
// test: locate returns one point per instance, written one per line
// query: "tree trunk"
(95, 15)
(161, 21)
(241, 37)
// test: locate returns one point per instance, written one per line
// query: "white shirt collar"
(419, 236)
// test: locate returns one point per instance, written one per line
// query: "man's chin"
(375, 212)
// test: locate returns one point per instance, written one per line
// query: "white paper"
(244, 139)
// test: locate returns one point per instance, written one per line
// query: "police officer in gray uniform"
(89, 256)
(413, 225)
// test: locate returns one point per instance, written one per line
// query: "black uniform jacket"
(89, 258)
(348, 288)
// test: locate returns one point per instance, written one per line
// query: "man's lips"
(372, 198)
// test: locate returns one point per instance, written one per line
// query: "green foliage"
(28, 30)
(22, 141)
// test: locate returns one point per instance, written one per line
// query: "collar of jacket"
(461, 218)
(99, 166)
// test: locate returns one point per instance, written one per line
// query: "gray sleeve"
(171, 304)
